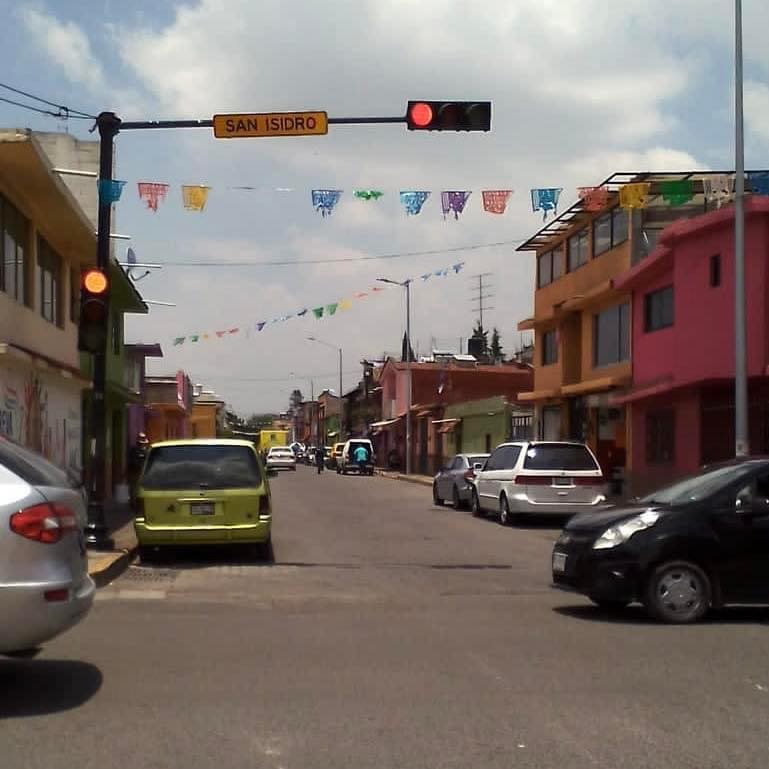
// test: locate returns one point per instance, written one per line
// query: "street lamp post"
(407, 285)
(741, 439)
(341, 411)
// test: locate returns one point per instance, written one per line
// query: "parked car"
(332, 455)
(699, 543)
(346, 462)
(454, 481)
(540, 478)
(199, 492)
(309, 456)
(44, 583)
(280, 458)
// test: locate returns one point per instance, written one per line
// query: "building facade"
(168, 407)
(207, 417)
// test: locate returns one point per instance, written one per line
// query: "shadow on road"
(39, 687)
(206, 556)
(530, 522)
(636, 615)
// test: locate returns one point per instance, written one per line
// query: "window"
(494, 462)
(660, 437)
(619, 226)
(715, 270)
(602, 234)
(116, 334)
(658, 309)
(549, 348)
(558, 456)
(13, 243)
(49, 264)
(549, 266)
(577, 250)
(509, 457)
(611, 335)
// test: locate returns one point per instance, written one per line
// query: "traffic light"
(94, 311)
(449, 116)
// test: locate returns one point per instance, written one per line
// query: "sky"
(579, 90)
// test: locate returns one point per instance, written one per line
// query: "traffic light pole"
(97, 531)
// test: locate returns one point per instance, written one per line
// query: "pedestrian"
(136, 458)
(361, 458)
(319, 452)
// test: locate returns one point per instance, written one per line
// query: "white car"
(538, 478)
(281, 458)
(346, 462)
(44, 583)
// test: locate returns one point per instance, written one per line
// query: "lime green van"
(199, 492)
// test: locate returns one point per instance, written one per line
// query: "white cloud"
(757, 109)
(67, 46)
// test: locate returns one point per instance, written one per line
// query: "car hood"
(606, 517)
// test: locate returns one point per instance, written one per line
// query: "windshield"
(698, 486)
(202, 466)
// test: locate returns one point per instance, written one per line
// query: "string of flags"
(321, 311)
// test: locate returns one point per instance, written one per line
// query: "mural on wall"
(41, 417)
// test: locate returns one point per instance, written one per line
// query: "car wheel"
(678, 592)
(265, 551)
(475, 505)
(609, 604)
(436, 498)
(455, 500)
(504, 511)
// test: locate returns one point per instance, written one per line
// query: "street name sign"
(270, 124)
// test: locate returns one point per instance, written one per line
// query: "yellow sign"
(270, 124)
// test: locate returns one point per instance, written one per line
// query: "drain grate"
(146, 574)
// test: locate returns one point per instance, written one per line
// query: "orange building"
(168, 407)
(581, 321)
(207, 418)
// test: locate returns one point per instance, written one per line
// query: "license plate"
(559, 562)
(562, 482)
(202, 508)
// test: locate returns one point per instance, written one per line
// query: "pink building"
(682, 397)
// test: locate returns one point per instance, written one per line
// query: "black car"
(699, 543)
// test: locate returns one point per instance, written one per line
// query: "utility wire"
(285, 262)
(64, 111)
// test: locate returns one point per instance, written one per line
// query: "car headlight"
(621, 532)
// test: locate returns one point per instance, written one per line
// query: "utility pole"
(480, 294)
(741, 436)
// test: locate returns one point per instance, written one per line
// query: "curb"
(418, 479)
(109, 567)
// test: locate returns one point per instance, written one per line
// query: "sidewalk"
(106, 565)
(422, 480)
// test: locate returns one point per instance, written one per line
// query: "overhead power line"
(285, 262)
(62, 110)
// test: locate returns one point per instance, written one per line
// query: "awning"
(443, 421)
(383, 423)
(595, 385)
(598, 293)
(332, 434)
(642, 391)
(446, 425)
(539, 395)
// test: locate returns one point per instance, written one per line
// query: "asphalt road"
(389, 633)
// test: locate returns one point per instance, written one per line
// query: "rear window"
(32, 468)
(558, 456)
(205, 467)
(477, 460)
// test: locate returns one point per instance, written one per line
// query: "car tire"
(609, 604)
(455, 500)
(677, 592)
(436, 498)
(475, 505)
(146, 554)
(265, 551)
(505, 518)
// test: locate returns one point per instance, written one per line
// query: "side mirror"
(478, 466)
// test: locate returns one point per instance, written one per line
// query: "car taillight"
(533, 480)
(264, 506)
(45, 523)
(595, 480)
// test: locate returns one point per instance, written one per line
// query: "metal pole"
(408, 376)
(741, 438)
(341, 407)
(97, 532)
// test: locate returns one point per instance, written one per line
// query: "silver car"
(281, 458)
(44, 583)
(540, 478)
(454, 481)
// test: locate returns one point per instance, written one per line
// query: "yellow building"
(207, 417)
(45, 241)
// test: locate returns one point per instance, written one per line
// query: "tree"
(295, 401)
(480, 333)
(407, 354)
(496, 346)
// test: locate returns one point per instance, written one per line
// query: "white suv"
(540, 478)
(346, 461)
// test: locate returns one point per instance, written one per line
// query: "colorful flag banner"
(361, 295)
(718, 188)
(454, 201)
(179, 340)
(194, 338)
(442, 273)
(194, 196)
(545, 199)
(377, 288)
(677, 192)
(368, 194)
(234, 330)
(457, 267)
(260, 325)
(495, 201)
(325, 200)
(413, 200)
(759, 182)
(426, 276)
(301, 313)
(318, 312)
(593, 198)
(152, 193)
(331, 308)
(110, 190)
(634, 195)
(345, 304)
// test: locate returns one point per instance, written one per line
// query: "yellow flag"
(195, 196)
(345, 304)
(634, 195)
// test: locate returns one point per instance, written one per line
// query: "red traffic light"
(95, 282)
(448, 116)
(420, 114)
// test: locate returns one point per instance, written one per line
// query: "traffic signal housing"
(94, 312)
(448, 116)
